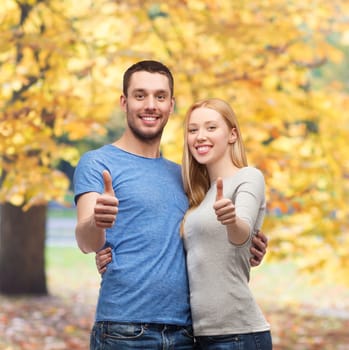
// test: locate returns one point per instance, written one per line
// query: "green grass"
(62, 259)
(70, 270)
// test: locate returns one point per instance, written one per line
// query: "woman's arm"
(103, 258)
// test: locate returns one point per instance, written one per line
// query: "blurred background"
(284, 67)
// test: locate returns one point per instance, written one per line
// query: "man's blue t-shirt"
(147, 278)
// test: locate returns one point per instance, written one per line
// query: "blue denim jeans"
(131, 336)
(249, 341)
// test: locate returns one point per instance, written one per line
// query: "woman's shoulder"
(250, 171)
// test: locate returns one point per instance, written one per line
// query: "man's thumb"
(108, 184)
(219, 185)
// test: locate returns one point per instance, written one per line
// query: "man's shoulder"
(172, 163)
(98, 152)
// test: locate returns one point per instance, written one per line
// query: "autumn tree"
(61, 70)
(47, 92)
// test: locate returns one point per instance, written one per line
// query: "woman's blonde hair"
(195, 176)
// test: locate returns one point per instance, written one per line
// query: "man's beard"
(148, 138)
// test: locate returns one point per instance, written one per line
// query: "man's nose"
(151, 102)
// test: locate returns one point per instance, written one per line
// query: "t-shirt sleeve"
(250, 197)
(88, 176)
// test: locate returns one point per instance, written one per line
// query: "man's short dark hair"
(147, 66)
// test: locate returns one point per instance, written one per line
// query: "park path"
(60, 230)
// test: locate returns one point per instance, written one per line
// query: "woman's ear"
(233, 136)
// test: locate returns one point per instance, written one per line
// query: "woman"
(226, 208)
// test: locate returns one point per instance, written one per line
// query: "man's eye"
(161, 97)
(139, 96)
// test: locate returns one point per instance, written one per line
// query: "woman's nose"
(201, 136)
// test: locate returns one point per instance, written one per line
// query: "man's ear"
(123, 102)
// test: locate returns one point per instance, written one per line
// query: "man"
(130, 199)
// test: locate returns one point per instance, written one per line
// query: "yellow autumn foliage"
(61, 65)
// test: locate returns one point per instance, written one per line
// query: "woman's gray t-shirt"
(220, 298)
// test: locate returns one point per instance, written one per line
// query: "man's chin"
(148, 137)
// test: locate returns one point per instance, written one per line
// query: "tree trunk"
(22, 250)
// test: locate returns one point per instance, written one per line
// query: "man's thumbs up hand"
(108, 183)
(106, 207)
(224, 207)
